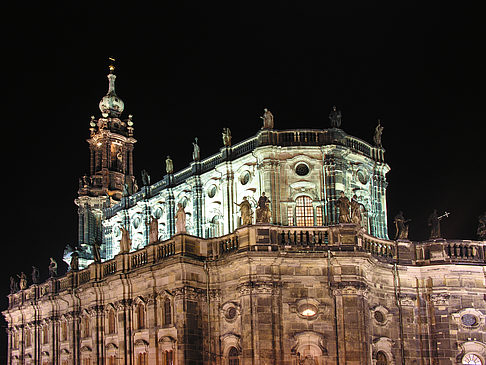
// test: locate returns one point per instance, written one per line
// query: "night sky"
(187, 69)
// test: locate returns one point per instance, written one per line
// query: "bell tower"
(110, 175)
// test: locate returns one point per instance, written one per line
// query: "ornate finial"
(111, 66)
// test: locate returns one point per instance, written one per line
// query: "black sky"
(187, 69)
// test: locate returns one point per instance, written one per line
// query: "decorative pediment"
(85, 349)
(307, 340)
(141, 343)
(111, 347)
(65, 351)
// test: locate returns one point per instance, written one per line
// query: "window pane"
(319, 216)
(290, 215)
(304, 212)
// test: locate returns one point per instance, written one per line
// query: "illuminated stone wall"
(262, 294)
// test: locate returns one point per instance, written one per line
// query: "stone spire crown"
(111, 105)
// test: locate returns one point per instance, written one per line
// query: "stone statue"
(169, 165)
(74, 264)
(226, 137)
(35, 275)
(335, 117)
(13, 285)
(267, 119)
(52, 268)
(482, 227)
(343, 204)
(196, 152)
(401, 226)
(23, 281)
(263, 212)
(95, 250)
(153, 225)
(246, 212)
(145, 178)
(125, 191)
(125, 242)
(180, 219)
(134, 185)
(378, 133)
(356, 216)
(434, 224)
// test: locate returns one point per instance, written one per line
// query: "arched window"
(45, 334)
(304, 212)
(140, 316)
(381, 358)
(233, 358)
(167, 312)
(168, 358)
(111, 321)
(86, 329)
(64, 331)
(142, 358)
(471, 359)
(28, 338)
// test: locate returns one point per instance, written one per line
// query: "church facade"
(274, 250)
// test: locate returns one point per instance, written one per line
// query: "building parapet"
(263, 239)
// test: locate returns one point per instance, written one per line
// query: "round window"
(136, 222)
(379, 316)
(231, 313)
(301, 169)
(212, 191)
(158, 213)
(362, 177)
(308, 310)
(245, 178)
(471, 359)
(469, 320)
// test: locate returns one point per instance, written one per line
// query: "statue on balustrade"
(180, 219)
(482, 227)
(378, 133)
(169, 165)
(52, 268)
(263, 212)
(35, 275)
(401, 226)
(356, 216)
(267, 119)
(153, 225)
(434, 223)
(246, 211)
(95, 250)
(226, 137)
(22, 281)
(196, 151)
(74, 264)
(126, 242)
(145, 178)
(343, 204)
(335, 117)
(14, 288)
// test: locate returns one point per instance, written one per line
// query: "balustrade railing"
(342, 237)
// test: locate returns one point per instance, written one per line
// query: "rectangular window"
(304, 212)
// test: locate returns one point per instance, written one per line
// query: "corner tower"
(111, 145)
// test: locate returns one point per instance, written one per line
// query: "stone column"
(329, 175)
(228, 192)
(197, 205)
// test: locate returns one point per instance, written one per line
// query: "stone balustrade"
(263, 238)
